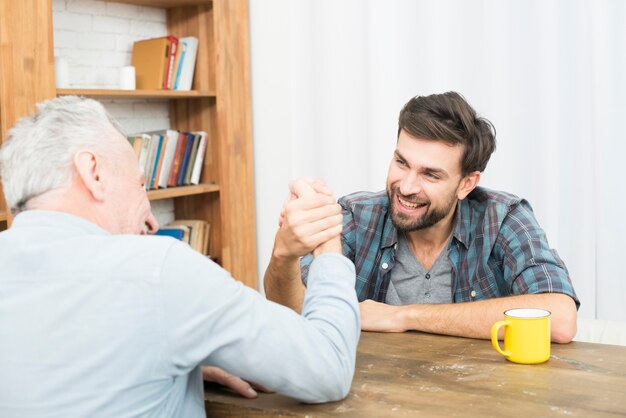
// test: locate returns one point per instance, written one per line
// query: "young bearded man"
(435, 252)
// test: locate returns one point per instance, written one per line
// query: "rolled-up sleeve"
(530, 265)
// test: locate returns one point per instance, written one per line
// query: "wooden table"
(415, 374)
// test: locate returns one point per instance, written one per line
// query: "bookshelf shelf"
(166, 4)
(182, 191)
(136, 94)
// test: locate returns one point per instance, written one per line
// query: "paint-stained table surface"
(415, 374)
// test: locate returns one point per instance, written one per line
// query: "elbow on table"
(564, 326)
(564, 333)
(331, 383)
(330, 390)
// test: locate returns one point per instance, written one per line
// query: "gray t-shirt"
(411, 283)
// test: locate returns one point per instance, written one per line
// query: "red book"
(172, 180)
(169, 65)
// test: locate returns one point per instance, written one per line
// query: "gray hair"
(38, 153)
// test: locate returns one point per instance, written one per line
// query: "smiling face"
(424, 182)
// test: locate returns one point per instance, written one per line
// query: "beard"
(407, 223)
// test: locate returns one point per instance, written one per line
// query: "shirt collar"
(462, 228)
(390, 234)
(48, 218)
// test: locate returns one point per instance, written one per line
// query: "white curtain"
(330, 76)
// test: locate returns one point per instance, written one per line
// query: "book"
(180, 56)
(177, 159)
(192, 157)
(188, 63)
(137, 140)
(185, 162)
(154, 184)
(197, 165)
(158, 140)
(150, 57)
(143, 153)
(180, 53)
(168, 83)
(198, 235)
(174, 232)
(206, 244)
(151, 157)
(168, 157)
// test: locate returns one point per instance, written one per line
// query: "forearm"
(474, 319)
(283, 283)
(310, 357)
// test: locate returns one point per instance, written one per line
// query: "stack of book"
(192, 231)
(165, 63)
(170, 158)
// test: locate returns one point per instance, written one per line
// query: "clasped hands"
(310, 221)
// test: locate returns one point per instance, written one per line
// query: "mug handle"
(494, 337)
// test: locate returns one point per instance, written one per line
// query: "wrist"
(407, 317)
(331, 246)
(283, 258)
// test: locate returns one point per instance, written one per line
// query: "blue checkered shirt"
(497, 248)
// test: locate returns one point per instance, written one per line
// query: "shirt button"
(473, 293)
(427, 276)
(427, 294)
(384, 266)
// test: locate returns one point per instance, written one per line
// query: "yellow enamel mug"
(526, 335)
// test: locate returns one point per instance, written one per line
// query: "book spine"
(145, 151)
(168, 158)
(150, 161)
(178, 156)
(161, 160)
(197, 165)
(183, 47)
(192, 158)
(170, 62)
(158, 159)
(183, 168)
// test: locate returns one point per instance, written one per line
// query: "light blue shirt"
(101, 325)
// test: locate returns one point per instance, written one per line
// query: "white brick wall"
(96, 37)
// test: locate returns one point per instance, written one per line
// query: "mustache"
(413, 198)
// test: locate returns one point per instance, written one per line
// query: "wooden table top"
(410, 374)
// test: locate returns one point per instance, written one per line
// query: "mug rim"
(527, 313)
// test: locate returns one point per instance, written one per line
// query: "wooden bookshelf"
(136, 94)
(166, 4)
(182, 191)
(219, 105)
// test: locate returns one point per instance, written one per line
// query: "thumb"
(301, 188)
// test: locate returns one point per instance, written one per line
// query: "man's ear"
(467, 184)
(89, 172)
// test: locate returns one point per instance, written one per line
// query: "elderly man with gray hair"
(97, 318)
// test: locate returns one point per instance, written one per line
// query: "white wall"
(329, 78)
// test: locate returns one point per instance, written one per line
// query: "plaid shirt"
(498, 248)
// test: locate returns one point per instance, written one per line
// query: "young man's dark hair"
(448, 117)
